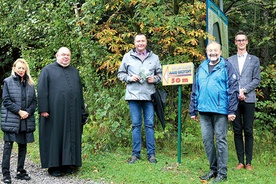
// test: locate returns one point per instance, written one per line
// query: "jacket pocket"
(218, 99)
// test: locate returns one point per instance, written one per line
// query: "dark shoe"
(55, 171)
(22, 176)
(68, 169)
(152, 160)
(133, 160)
(211, 174)
(220, 178)
(6, 179)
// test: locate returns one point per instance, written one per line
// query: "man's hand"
(231, 117)
(44, 114)
(150, 79)
(242, 97)
(194, 118)
(135, 78)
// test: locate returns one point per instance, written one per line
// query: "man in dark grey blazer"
(248, 68)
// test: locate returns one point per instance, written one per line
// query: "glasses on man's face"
(241, 40)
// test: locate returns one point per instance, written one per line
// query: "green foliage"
(191, 134)
(100, 32)
(266, 106)
(107, 129)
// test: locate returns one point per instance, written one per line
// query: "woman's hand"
(23, 114)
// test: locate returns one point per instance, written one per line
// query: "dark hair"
(139, 34)
(240, 33)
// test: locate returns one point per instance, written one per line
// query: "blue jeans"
(137, 107)
(215, 125)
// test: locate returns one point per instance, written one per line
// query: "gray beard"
(214, 61)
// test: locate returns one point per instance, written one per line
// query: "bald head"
(63, 56)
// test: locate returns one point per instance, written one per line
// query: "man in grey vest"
(248, 69)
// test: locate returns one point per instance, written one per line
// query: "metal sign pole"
(178, 74)
(179, 124)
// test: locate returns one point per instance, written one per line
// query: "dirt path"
(39, 175)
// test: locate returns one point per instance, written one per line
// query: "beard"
(214, 60)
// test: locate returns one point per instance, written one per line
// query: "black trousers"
(243, 131)
(22, 150)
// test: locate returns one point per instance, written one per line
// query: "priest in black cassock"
(62, 115)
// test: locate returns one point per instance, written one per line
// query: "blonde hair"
(23, 61)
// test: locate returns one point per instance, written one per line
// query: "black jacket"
(12, 102)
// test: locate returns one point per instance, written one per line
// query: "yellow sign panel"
(177, 74)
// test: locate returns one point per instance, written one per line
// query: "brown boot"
(239, 166)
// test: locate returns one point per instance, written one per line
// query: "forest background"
(99, 32)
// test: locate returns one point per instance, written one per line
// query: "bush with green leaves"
(100, 32)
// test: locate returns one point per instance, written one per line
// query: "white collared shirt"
(241, 61)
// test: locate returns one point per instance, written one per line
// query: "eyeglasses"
(241, 40)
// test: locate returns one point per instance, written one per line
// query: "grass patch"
(112, 167)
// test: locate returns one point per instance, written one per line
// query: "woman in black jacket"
(17, 117)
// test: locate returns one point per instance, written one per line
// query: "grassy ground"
(113, 167)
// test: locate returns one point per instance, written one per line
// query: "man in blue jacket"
(215, 97)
